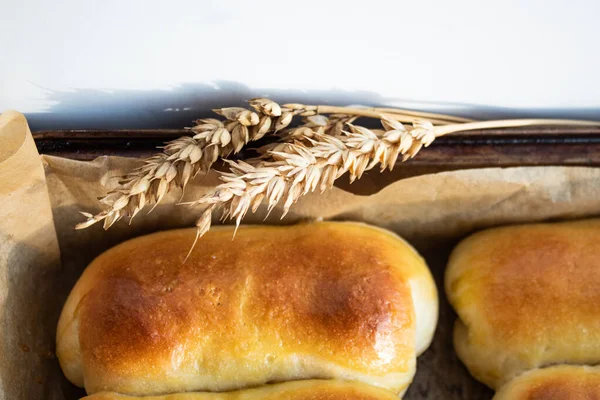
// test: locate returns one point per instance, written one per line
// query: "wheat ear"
(184, 158)
(312, 163)
(315, 159)
(320, 139)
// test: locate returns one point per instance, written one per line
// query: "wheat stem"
(423, 114)
(510, 123)
(308, 157)
(401, 115)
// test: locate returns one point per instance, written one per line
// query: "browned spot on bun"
(554, 383)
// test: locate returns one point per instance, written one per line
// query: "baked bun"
(322, 300)
(555, 383)
(298, 390)
(526, 297)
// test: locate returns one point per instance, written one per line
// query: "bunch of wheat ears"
(302, 159)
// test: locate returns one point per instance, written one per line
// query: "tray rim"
(530, 146)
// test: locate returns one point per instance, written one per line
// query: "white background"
(75, 63)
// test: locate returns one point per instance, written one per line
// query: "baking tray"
(493, 147)
(440, 375)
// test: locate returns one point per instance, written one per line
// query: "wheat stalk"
(315, 159)
(310, 156)
(183, 158)
(312, 163)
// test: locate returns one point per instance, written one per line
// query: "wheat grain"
(184, 158)
(313, 161)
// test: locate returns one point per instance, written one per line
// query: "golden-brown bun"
(298, 390)
(526, 296)
(555, 383)
(322, 300)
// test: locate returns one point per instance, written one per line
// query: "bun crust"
(323, 300)
(526, 296)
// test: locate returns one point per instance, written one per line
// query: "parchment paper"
(431, 211)
(29, 269)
